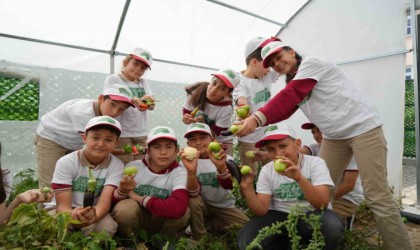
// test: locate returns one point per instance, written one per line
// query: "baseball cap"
(118, 92)
(161, 132)
(277, 131)
(257, 42)
(197, 127)
(269, 50)
(308, 125)
(143, 55)
(103, 120)
(229, 77)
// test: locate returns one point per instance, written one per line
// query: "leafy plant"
(25, 181)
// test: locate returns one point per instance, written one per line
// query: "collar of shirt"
(84, 162)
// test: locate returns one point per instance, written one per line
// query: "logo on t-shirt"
(124, 91)
(147, 190)
(80, 185)
(138, 92)
(262, 96)
(289, 191)
(208, 179)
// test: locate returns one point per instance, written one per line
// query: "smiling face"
(200, 141)
(162, 153)
(133, 68)
(287, 147)
(317, 135)
(217, 90)
(111, 107)
(99, 144)
(284, 61)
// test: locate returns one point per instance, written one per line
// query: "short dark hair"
(104, 126)
(256, 54)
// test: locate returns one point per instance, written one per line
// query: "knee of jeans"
(332, 225)
(125, 211)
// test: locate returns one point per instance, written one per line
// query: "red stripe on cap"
(141, 59)
(260, 143)
(225, 80)
(121, 99)
(272, 39)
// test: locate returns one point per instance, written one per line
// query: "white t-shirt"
(356, 195)
(7, 182)
(133, 121)
(211, 191)
(286, 192)
(158, 185)
(257, 94)
(216, 114)
(63, 124)
(69, 171)
(335, 105)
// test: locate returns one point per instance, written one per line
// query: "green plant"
(296, 215)
(24, 180)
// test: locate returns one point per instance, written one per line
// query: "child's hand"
(87, 216)
(199, 119)
(190, 165)
(34, 195)
(248, 126)
(247, 181)
(188, 119)
(149, 101)
(218, 159)
(292, 171)
(127, 184)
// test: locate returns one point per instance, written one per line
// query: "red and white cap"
(229, 77)
(308, 125)
(143, 55)
(198, 127)
(278, 131)
(257, 42)
(270, 49)
(103, 120)
(161, 132)
(118, 92)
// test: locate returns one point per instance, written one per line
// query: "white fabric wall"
(341, 31)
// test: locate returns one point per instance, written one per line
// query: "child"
(74, 172)
(159, 202)
(305, 182)
(215, 103)
(254, 91)
(349, 194)
(29, 196)
(60, 130)
(349, 123)
(134, 120)
(211, 202)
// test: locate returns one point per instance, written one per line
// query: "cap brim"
(266, 62)
(198, 130)
(225, 80)
(308, 125)
(141, 59)
(260, 143)
(161, 137)
(121, 99)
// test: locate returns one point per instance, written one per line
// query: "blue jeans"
(332, 229)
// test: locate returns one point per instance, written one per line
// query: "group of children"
(83, 142)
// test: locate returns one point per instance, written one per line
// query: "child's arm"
(258, 203)
(347, 184)
(104, 203)
(193, 186)
(223, 175)
(318, 196)
(29, 196)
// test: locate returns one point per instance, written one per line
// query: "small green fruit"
(234, 128)
(128, 149)
(247, 108)
(45, 190)
(130, 171)
(217, 156)
(279, 166)
(241, 113)
(250, 154)
(245, 170)
(215, 147)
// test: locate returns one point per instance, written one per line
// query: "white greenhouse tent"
(69, 47)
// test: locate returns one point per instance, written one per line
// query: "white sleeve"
(115, 172)
(263, 183)
(240, 91)
(111, 80)
(147, 88)
(312, 68)
(187, 105)
(320, 174)
(63, 173)
(224, 118)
